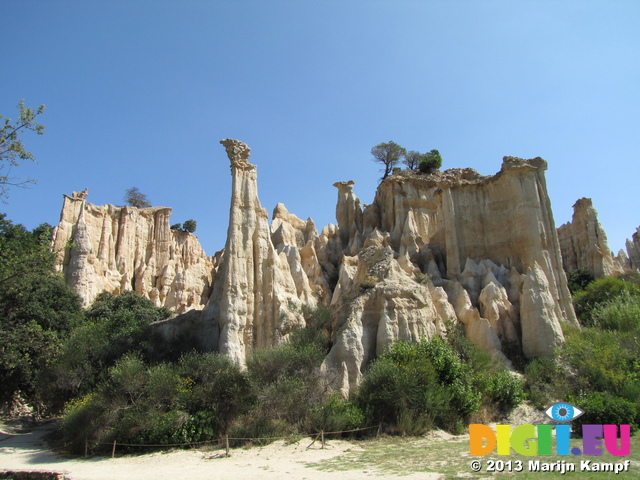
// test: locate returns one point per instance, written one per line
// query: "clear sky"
(139, 93)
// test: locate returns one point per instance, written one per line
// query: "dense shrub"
(115, 325)
(37, 312)
(191, 401)
(600, 292)
(415, 386)
(506, 390)
(337, 414)
(601, 408)
(600, 360)
(430, 162)
(579, 279)
(621, 314)
(545, 382)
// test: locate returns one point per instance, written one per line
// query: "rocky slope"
(113, 249)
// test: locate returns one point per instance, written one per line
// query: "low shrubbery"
(418, 386)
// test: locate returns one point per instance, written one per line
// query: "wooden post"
(226, 441)
(113, 450)
(379, 430)
(86, 447)
(322, 438)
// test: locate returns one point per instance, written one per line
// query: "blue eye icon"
(563, 412)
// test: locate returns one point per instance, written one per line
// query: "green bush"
(600, 292)
(338, 414)
(601, 408)
(506, 390)
(415, 386)
(189, 226)
(545, 382)
(115, 325)
(579, 279)
(621, 314)
(600, 360)
(431, 162)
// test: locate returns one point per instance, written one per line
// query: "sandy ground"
(25, 449)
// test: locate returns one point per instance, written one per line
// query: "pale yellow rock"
(541, 330)
(115, 249)
(260, 290)
(377, 304)
(583, 243)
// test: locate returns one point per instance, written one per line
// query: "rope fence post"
(86, 447)
(226, 441)
(322, 438)
(113, 450)
(379, 430)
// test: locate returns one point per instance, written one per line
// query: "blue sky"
(139, 93)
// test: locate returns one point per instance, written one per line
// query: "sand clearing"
(25, 449)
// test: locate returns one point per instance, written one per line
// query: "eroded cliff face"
(430, 252)
(457, 246)
(583, 243)
(115, 249)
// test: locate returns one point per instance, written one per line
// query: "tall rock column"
(254, 303)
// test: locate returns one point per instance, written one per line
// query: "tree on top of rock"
(389, 155)
(134, 197)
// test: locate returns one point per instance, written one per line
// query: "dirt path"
(25, 449)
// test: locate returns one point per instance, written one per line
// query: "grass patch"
(451, 458)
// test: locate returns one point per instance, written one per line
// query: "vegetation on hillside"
(92, 367)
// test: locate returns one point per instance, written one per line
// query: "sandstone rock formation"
(490, 243)
(113, 249)
(260, 290)
(583, 243)
(632, 260)
(430, 252)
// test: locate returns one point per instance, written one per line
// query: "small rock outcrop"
(113, 249)
(583, 243)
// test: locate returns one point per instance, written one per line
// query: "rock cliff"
(583, 243)
(113, 249)
(455, 245)
(430, 252)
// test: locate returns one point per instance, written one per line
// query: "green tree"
(37, 310)
(430, 162)
(189, 226)
(388, 154)
(134, 197)
(412, 159)
(115, 325)
(12, 149)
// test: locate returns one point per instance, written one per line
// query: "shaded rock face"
(115, 249)
(583, 243)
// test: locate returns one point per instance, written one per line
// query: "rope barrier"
(226, 440)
